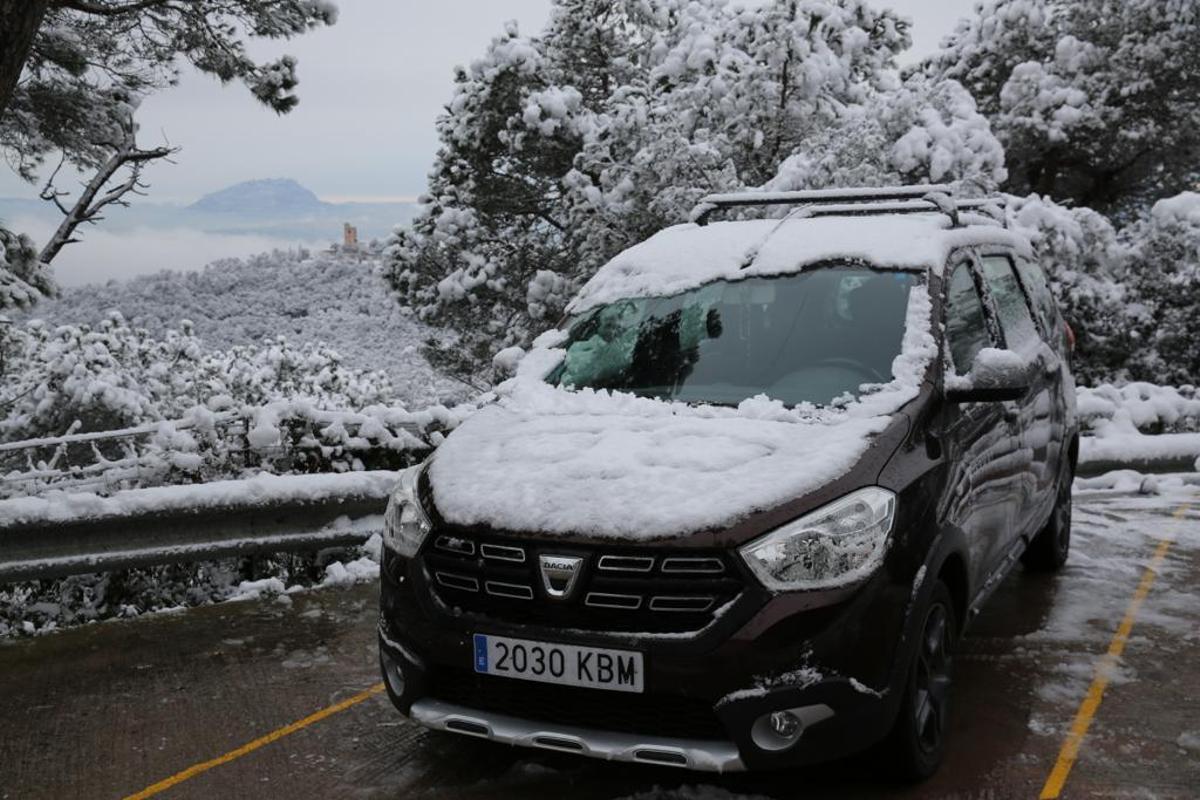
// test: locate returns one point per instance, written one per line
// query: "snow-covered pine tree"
(72, 70)
(560, 150)
(1096, 102)
(1085, 262)
(23, 279)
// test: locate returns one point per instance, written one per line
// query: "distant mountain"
(278, 208)
(271, 197)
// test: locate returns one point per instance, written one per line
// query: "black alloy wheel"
(918, 740)
(1049, 550)
(932, 684)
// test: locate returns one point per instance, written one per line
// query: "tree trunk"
(19, 22)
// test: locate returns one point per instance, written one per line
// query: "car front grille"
(616, 589)
(646, 714)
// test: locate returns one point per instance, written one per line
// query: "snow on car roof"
(686, 256)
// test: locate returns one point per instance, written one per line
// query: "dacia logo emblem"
(559, 574)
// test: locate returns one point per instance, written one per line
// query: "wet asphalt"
(110, 709)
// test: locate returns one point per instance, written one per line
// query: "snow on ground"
(1113, 540)
(692, 793)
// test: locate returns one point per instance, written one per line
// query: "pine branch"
(107, 9)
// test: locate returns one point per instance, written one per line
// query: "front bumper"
(696, 754)
(833, 659)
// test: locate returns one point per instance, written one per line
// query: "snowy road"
(109, 710)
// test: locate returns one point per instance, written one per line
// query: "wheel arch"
(953, 572)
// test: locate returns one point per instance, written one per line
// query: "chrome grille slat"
(678, 604)
(456, 545)
(624, 602)
(626, 563)
(517, 591)
(503, 552)
(464, 583)
(693, 566)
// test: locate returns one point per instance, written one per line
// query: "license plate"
(565, 664)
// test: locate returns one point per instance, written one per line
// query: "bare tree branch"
(94, 199)
(49, 193)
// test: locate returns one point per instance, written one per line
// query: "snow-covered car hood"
(619, 466)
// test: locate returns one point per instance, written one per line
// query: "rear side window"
(1038, 289)
(966, 329)
(1015, 317)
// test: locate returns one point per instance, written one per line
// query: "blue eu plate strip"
(481, 653)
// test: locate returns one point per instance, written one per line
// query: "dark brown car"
(590, 571)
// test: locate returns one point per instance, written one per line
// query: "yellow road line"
(250, 747)
(1104, 670)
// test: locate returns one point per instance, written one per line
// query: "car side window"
(1038, 290)
(966, 326)
(1011, 307)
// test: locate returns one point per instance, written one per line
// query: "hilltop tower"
(349, 236)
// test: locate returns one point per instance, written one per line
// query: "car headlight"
(837, 544)
(405, 523)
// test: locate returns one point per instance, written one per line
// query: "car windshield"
(811, 337)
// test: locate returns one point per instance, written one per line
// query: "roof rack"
(937, 197)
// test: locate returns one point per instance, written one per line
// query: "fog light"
(785, 724)
(778, 730)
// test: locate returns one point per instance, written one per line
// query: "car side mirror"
(996, 376)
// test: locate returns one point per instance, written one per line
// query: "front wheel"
(1050, 547)
(918, 740)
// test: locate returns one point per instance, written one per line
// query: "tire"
(1051, 546)
(918, 740)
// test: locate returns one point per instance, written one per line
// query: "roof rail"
(863, 200)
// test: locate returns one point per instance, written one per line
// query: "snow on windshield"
(816, 336)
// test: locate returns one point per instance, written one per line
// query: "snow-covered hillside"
(308, 297)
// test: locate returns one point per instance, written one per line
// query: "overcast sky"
(370, 88)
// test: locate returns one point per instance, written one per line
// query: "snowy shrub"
(114, 376)
(1147, 408)
(41, 606)
(1163, 270)
(204, 414)
(336, 298)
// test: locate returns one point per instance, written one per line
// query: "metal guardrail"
(105, 474)
(1160, 465)
(45, 548)
(1151, 454)
(53, 546)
